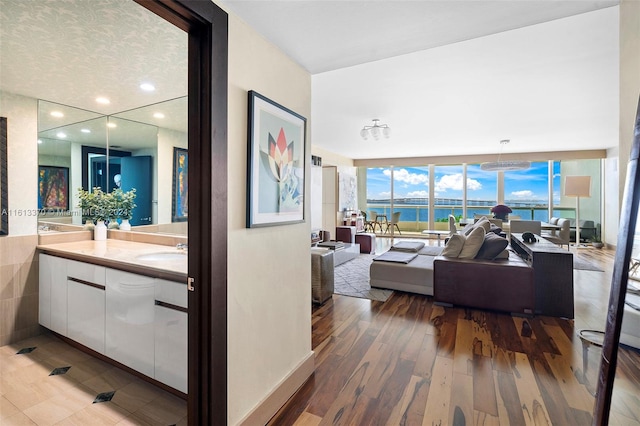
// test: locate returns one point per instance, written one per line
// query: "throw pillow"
(472, 244)
(495, 229)
(484, 222)
(467, 229)
(454, 245)
(504, 254)
(492, 246)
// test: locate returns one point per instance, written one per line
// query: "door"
(136, 173)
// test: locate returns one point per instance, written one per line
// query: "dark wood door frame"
(207, 27)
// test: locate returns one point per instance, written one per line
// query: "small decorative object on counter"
(501, 211)
(100, 231)
(122, 205)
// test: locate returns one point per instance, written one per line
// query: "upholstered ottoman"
(367, 242)
(321, 275)
(346, 234)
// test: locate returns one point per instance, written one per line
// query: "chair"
(563, 236)
(452, 225)
(368, 226)
(515, 217)
(374, 221)
(394, 222)
(520, 226)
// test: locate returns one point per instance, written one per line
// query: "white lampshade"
(375, 132)
(577, 186)
(365, 134)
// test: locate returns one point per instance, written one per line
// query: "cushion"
(553, 220)
(408, 246)
(504, 254)
(454, 245)
(472, 244)
(495, 229)
(484, 222)
(467, 229)
(492, 246)
(396, 256)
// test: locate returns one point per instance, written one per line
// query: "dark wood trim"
(4, 185)
(207, 26)
(86, 150)
(619, 281)
(171, 306)
(112, 361)
(87, 283)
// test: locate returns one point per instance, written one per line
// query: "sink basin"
(161, 257)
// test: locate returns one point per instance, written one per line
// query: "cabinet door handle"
(90, 284)
(190, 282)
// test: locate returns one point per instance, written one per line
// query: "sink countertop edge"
(121, 255)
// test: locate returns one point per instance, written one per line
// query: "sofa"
(587, 230)
(498, 281)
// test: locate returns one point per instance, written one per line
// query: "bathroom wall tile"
(26, 311)
(7, 317)
(26, 281)
(7, 281)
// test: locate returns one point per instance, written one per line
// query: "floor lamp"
(577, 186)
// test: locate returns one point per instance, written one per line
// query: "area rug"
(584, 265)
(352, 279)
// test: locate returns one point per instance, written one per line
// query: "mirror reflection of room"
(130, 150)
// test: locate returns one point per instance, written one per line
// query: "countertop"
(123, 255)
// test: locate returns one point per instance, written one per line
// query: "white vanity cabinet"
(53, 293)
(138, 320)
(86, 304)
(171, 334)
(130, 320)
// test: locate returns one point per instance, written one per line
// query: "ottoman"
(321, 275)
(367, 242)
(346, 234)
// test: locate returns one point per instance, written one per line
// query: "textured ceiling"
(73, 51)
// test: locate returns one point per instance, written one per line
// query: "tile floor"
(44, 381)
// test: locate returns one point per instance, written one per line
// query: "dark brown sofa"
(502, 285)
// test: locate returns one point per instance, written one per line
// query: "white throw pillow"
(484, 222)
(472, 245)
(454, 245)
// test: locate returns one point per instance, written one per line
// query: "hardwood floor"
(407, 361)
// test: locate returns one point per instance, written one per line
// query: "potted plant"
(123, 204)
(501, 211)
(95, 210)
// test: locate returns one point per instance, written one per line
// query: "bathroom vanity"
(122, 299)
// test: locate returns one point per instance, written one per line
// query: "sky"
(413, 182)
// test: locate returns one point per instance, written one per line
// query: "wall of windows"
(465, 190)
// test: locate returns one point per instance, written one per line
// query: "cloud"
(454, 182)
(403, 175)
(418, 194)
(523, 194)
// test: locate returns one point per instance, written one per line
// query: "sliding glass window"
(527, 192)
(411, 197)
(448, 191)
(482, 191)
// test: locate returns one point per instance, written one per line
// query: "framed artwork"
(53, 188)
(275, 163)
(180, 199)
(4, 185)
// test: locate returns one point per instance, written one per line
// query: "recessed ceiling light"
(147, 87)
(39, 140)
(158, 115)
(57, 114)
(103, 101)
(112, 125)
(85, 130)
(61, 135)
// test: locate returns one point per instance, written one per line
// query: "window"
(527, 192)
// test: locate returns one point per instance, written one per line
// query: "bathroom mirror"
(4, 214)
(130, 149)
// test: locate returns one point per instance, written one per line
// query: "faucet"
(182, 246)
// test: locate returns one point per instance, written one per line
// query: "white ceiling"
(452, 77)
(552, 85)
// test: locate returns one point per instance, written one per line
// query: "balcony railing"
(415, 217)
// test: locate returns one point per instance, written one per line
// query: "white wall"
(269, 269)
(611, 197)
(22, 156)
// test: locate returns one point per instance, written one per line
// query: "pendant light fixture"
(375, 131)
(504, 165)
